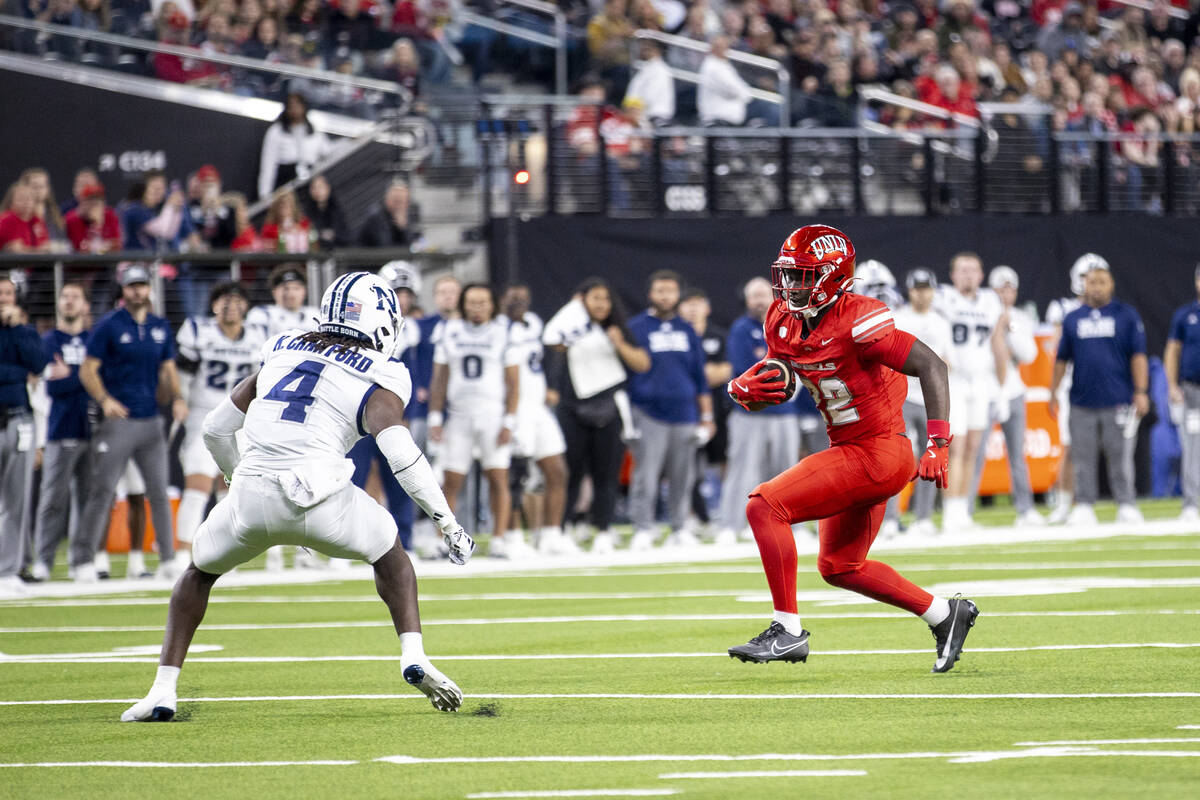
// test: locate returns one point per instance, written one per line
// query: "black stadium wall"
(64, 126)
(1153, 258)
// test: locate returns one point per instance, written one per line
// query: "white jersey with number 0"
(277, 319)
(308, 408)
(221, 362)
(476, 356)
(972, 321)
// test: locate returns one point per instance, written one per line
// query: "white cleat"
(725, 537)
(604, 543)
(158, 706)
(1130, 515)
(642, 540)
(922, 527)
(274, 559)
(890, 529)
(101, 562)
(556, 543)
(510, 546)
(86, 573)
(1031, 519)
(1189, 514)
(168, 571)
(40, 571)
(440, 690)
(746, 534)
(1059, 515)
(1082, 515)
(683, 538)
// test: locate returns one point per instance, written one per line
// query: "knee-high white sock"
(190, 514)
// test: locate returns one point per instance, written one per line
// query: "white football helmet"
(1082, 266)
(874, 274)
(401, 275)
(363, 305)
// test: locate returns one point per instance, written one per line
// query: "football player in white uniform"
(1010, 405)
(874, 279)
(314, 396)
(289, 288)
(473, 406)
(1056, 312)
(978, 363)
(932, 329)
(538, 437)
(216, 352)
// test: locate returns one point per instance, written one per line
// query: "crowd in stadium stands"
(1100, 65)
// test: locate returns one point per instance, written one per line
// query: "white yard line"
(1188, 727)
(766, 773)
(571, 620)
(137, 656)
(1109, 741)
(183, 764)
(620, 696)
(575, 793)
(481, 567)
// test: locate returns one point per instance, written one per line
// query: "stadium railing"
(1010, 161)
(557, 42)
(181, 281)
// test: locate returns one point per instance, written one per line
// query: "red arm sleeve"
(891, 349)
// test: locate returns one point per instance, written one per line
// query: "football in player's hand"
(785, 374)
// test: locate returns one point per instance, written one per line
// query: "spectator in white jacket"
(653, 85)
(1009, 408)
(291, 147)
(722, 95)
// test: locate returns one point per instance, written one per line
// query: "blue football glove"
(460, 544)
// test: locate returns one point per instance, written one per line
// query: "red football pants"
(845, 487)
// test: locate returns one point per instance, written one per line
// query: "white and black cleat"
(154, 707)
(440, 690)
(951, 633)
(773, 644)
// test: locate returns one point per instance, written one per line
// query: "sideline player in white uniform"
(978, 363)
(289, 288)
(874, 279)
(1017, 327)
(538, 436)
(1056, 312)
(313, 397)
(932, 329)
(218, 352)
(473, 406)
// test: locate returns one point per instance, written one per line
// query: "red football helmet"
(815, 264)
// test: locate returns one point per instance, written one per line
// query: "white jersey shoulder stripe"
(873, 321)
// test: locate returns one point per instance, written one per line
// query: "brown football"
(789, 378)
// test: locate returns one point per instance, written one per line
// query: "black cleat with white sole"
(773, 644)
(951, 633)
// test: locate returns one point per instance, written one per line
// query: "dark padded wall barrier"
(1153, 258)
(64, 126)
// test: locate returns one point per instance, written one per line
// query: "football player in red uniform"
(845, 349)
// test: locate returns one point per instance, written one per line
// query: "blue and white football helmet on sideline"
(363, 305)
(402, 275)
(873, 279)
(1082, 266)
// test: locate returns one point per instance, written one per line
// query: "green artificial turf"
(1127, 593)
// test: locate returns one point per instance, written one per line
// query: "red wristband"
(938, 429)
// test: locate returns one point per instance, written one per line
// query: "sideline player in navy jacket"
(671, 407)
(20, 356)
(129, 353)
(1106, 342)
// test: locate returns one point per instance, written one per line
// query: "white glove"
(460, 544)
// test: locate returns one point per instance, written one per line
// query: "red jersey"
(841, 363)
